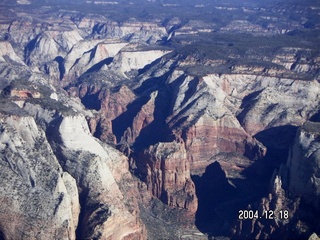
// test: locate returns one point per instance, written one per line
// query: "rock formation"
(105, 214)
(36, 193)
(166, 171)
(127, 126)
(293, 190)
(303, 164)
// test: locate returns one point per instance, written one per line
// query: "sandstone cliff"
(73, 187)
(36, 193)
(165, 169)
(203, 112)
(293, 189)
(105, 214)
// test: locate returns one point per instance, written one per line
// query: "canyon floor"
(159, 119)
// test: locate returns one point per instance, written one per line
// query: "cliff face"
(61, 46)
(72, 173)
(166, 171)
(110, 102)
(39, 199)
(120, 127)
(303, 164)
(99, 192)
(294, 189)
(206, 122)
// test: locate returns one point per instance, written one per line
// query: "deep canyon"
(159, 119)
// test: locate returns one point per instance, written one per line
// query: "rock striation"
(165, 169)
(293, 189)
(205, 122)
(39, 199)
(105, 214)
(202, 112)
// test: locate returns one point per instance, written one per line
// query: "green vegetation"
(10, 108)
(245, 50)
(247, 46)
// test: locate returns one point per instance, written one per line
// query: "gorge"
(159, 119)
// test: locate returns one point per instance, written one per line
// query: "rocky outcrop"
(165, 169)
(133, 31)
(203, 118)
(11, 65)
(271, 216)
(141, 120)
(179, 96)
(134, 59)
(297, 59)
(244, 26)
(304, 164)
(293, 202)
(50, 45)
(49, 196)
(39, 199)
(31, 29)
(89, 56)
(111, 103)
(104, 213)
(6, 51)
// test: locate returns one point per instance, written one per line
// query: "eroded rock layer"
(131, 126)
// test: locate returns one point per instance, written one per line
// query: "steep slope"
(39, 199)
(303, 164)
(104, 211)
(204, 103)
(292, 207)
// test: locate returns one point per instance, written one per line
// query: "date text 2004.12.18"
(267, 214)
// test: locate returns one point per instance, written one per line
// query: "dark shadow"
(2, 236)
(125, 120)
(82, 201)
(246, 104)
(149, 66)
(149, 134)
(184, 110)
(315, 117)
(158, 130)
(97, 29)
(28, 49)
(92, 215)
(62, 69)
(212, 190)
(99, 65)
(192, 88)
(91, 101)
(278, 141)
(99, 130)
(153, 84)
(220, 202)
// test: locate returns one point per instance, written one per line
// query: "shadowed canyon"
(159, 119)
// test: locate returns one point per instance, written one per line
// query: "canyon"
(136, 120)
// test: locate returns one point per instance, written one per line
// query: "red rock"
(166, 171)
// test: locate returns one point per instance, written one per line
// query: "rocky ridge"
(293, 190)
(74, 87)
(29, 193)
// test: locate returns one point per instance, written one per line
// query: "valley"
(159, 119)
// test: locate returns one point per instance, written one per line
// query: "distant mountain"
(148, 120)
